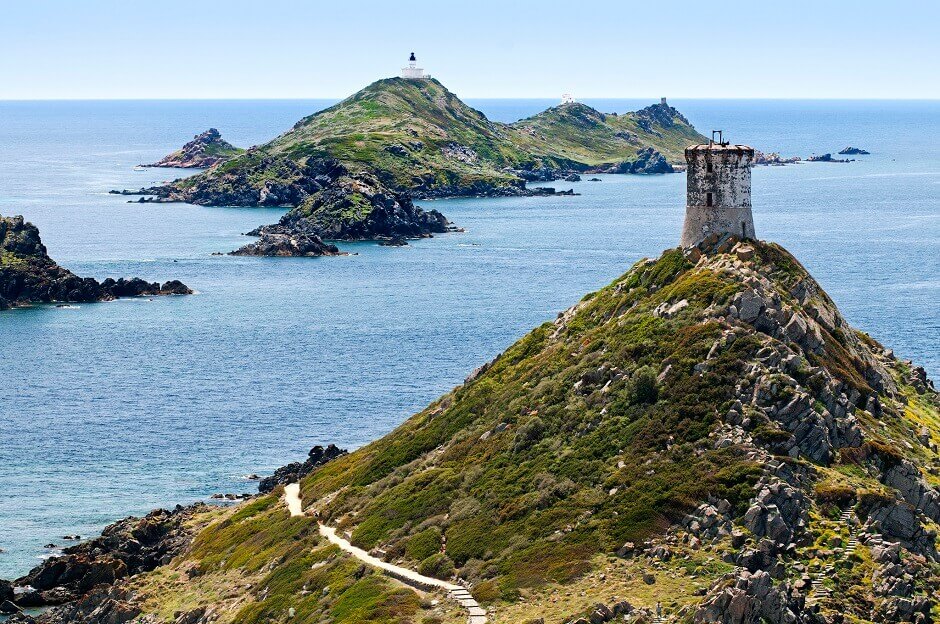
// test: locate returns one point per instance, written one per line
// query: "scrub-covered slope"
(706, 433)
(416, 136)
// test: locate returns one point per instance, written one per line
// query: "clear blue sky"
(484, 48)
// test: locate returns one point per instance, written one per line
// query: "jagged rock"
(29, 275)
(339, 205)
(853, 151)
(272, 244)
(205, 150)
(647, 161)
(125, 548)
(293, 472)
(752, 599)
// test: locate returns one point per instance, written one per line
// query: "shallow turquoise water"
(115, 408)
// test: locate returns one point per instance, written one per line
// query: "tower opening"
(708, 199)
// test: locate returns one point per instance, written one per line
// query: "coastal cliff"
(28, 275)
(205, 150)
(706, 438)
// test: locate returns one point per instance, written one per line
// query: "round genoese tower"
(718, 191)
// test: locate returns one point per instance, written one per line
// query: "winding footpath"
(475, 613)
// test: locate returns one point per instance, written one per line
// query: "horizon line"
(468, 97)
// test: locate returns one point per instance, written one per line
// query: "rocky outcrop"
(853, 151)
(752, 598)
(772, 158)
(123, 549)
(647, 161)
(29, 275)
(301, 244)
(355, 207)
(205, 150)
(293, 472)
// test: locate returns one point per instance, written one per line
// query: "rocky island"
(28, 275)
(205, 150)
(401, 139)
(853, 151)
(704, 440)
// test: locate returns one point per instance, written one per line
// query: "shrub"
(528, 434)
(424, 544)
(642, 386)
(439, 566)
(835, 493)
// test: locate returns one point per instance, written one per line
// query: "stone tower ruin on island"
(718, 191)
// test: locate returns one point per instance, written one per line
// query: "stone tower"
(718, 191)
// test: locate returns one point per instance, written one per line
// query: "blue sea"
(112, 409)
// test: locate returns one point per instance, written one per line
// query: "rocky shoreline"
(28, 275)
(84, 583)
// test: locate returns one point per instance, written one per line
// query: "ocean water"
(115, 408)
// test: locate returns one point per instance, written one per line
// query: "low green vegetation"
(416, 135)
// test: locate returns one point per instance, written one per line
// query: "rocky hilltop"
(205, 150)
(706, 439)
(29, 275)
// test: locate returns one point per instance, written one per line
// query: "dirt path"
(475, 613)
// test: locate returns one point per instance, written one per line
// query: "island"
(402, 139)
(28, 275)
(854, 151)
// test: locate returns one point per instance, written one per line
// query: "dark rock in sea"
(295, 471)
(393, 242)
(205, 150)
(6, 590)
(548, 190)
(594, 180)
(125, 548)
(854, 151)
(8, 608)
(772, 158)
(827, 157)
(29, 275)
(572, 177)
(299, 244)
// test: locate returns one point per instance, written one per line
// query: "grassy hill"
(706, 432)
(416, 136)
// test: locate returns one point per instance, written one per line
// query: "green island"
(367, 157)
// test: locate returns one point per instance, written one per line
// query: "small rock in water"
(50, 545)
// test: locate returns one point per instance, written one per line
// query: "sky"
(194, 49)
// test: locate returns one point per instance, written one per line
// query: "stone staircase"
(819, 591)
(476, 614)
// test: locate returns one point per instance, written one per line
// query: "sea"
(112, 409)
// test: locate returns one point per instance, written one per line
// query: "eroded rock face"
(205, 150)
(29, 275)
(752, 598)
(291, 473)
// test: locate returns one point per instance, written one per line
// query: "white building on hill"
(413, 72)
(567, 98)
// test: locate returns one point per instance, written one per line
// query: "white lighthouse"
(413, 72)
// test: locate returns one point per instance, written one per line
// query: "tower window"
(708, 199)
(708, 167)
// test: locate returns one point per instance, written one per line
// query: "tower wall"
(718, 192)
